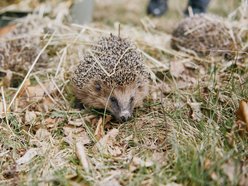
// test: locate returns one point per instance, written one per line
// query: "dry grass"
(185, 134)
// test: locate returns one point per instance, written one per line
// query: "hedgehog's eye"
(113, 99)
(98, 87)
(114, 103)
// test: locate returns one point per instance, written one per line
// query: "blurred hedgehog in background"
(112, 75)
(21, 45)
(206, 35)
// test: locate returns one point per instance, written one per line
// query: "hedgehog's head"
(119, 100)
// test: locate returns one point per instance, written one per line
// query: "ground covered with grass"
(191, 130)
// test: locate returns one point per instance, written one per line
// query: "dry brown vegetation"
(186, 133)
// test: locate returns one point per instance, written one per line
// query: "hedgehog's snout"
(125, 115)
(121, 106)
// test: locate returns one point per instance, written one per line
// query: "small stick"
(62, 59)
(60, 92)
(5, 111)
(191, 13)
(119, 30)
(4, 101)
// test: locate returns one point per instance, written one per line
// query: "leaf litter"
(49, 139)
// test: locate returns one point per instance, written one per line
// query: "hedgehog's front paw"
(78, 104)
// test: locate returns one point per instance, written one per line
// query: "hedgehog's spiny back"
(120, 59)
(22, 44)
(205, 34)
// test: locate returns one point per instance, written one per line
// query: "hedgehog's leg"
(78, 104)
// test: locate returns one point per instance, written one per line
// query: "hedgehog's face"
(121, 104)
(120, 100)
(123, 100)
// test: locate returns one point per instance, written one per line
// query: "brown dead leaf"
(37, 92)
(94, 121)
(51, 122)
(107, 118)
(240, 127)
(82, 156)
(108, 182)
(28, 156)
(106, 145)
(176, 68)
(24, 87)
(182, 84)
(42, 135)
(76, 122)
(207, 163)
(230, 138)
(72, 130)
(74, 135)
(42, 139)
(159, 157)
(30, 116)
(229, 170)
(106, 121)
(89, 118)
(138, 163)
(47, 104)
(10, 172)
(244, 176)
(7, 79)
(184, 73)
(99, 133)
(214, 176)
(191, 65)
(155, 95)
(242, 112)
(195, 111)
(164, 88)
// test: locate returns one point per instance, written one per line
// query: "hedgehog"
(20, 46)
(112, 76)
(206, 35)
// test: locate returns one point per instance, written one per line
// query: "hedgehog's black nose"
(124, 116)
